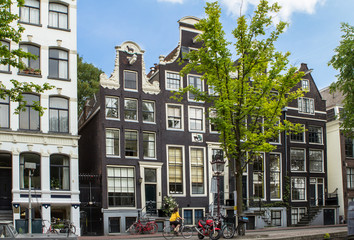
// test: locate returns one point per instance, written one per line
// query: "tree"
(249, 93)
(13, 57)
(343, 61)
(88, 81)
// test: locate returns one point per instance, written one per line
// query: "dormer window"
(305, 85)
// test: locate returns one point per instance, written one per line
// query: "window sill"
(62, 79)
(59, 133)
(29, 75)
(112, 156)
(149, 122)
(175, 129)
(59, 190)
(32, 24)
(113, 119)
(29, 130)
(7, 72)
(57, 28)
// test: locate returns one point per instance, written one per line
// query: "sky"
(313, 33)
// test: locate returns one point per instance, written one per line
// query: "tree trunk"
(239, 185)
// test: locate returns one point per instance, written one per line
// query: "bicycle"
(185, 231)
(48, 228)
(69, 228)
(138, 227)
(229, 230)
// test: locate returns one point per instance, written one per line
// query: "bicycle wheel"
(241, 229)
(187, 232)
(228, 230)
(73, 229)
(135, 228)
(152, 228)
(168, 232)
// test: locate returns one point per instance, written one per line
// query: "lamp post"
(30, 166)
(218, 168)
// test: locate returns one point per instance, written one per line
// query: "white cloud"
(288, 6)
(171, 1)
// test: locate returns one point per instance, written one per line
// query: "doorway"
(316, 191)
(150, 190)
(5, 181)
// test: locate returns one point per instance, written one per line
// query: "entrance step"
(6, 215)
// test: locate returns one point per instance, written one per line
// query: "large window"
(297, 214)
(195, 82)
(316, 160)
(297, 159)
(131, 109)
(30, 62)
(29, 118)
(274, 164)
(130, 80)
(196, 119)
(112, 142)
(350, 178)
(58, 114)
(121, 187)
(59, 172)
(298, 188)
(276, 218)
(192, 216)
(5, 112)
(131, 143)
(4, 67)
(349, 147)
(174, 117)
(148, 111)
(30, 12)
(58, 15)
(173, 81)
(197, 170)
(298, 137)
(36, 174)
(258, 177)
(315, 134)
(112, 107)
(58, 64)
(149, 144)
(175, 170)
(306, 105)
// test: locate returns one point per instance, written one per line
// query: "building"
(340, 153)
(51, 140)
(142, 145)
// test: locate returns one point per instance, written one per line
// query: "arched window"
(58, 15)
(58, 63)
(58, 114)
(36, 174)
(59, 172)
(30, 12)
(29, 118)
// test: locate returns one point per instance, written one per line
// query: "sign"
(197, 137)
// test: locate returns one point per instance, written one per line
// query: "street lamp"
(30, 166)
(217, 165)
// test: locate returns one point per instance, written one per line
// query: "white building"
(50, 140)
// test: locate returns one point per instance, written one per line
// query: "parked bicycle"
(48, 228)
(69, 228)
(185, 231)
(228, 229)
(143, 227)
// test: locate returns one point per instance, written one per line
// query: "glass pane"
(63, 69)
(34, 119)
(53, 121)
(4, 116)
(53, 68)
(57, 102)
(64, 121)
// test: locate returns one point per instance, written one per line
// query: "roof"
(332, 99)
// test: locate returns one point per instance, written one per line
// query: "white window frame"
(302, 105)
(136, 81)
(280, 177)
(137, 143)
(153, 102)
(204, 172)
(193, 213)
(303, 134)
(189, 119)
(262, 155)
(305, 87)
(298, 214)
(211, 111)
(291, 190)
(183, 172)
(322, 162)
(304, 160)
(201, 83)
(137, 110)
(154, 133)
(118, 107)
(166, 81)
(5, 68)
(321, 139)
(119, 139)
(182, 117)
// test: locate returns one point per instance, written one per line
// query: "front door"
(5, 181)
(150, 190)
(316, 191)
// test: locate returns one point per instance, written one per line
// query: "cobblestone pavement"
(303, 233)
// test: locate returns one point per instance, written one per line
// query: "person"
(175, 219)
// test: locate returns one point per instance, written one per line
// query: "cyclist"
(175, 219)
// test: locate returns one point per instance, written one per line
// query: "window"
(112, 142)
(306, 105)
(121, 187)
(196, 120)
(192, 216)
(276, 218)
(297, 159)
(349, 147)
(149, 145)
(305, 84)
(130, 80)
(36, 174)
(29, 118)
(148, 111)
(274, 162)
(298, 188)
(5, 112)
(258, 177)
(174, 116)
(175, 170)
(131, 109)
(212, 115)
(350, 178)
(211, 90)
(195, 82)
(112, 107)
(30, 62)
(114, 224)
(4, 67)
(316, 160)
(197, 170)
(275, 138)
(58, 114)
(131, 143)
(59, 172)
(173, 81)
(58, 64)
(30, 13)
(297, 214)
(58, 15)
(298, 137)
(315, 134)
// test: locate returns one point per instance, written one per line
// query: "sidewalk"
(291, 233)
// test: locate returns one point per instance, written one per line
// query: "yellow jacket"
(174, 216)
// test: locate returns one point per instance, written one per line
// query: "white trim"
(180, 81)
(296, 109)
(188, 84)
(209, 122)
(304, 134)
(183, 171)
(204, 171)
(280, 177)
(137, 110)
(119, 137)
(182, 117)
(203, 120)
(136, 81)
(322, 160)
(137, 143)
(193, 213)
(149, 101)
(301, 148)
(155, 152)
(264, 178)
(305, 118)
(291, 190)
